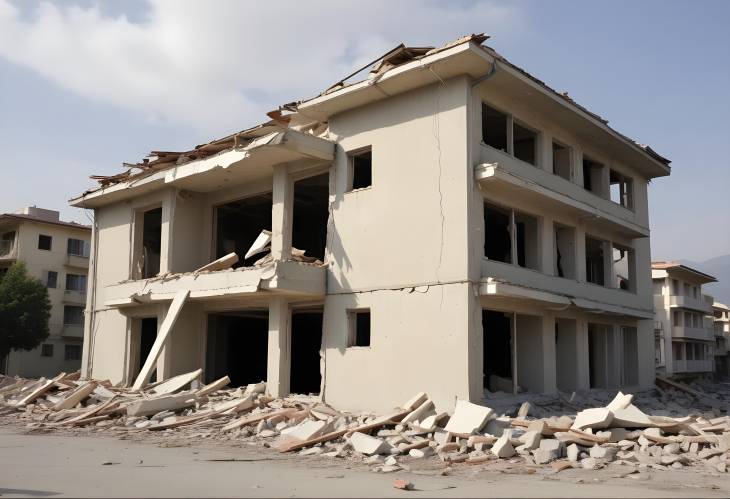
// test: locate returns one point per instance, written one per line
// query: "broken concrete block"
(619, 402)
(589, 463)
(530, 440)
(307, 430)
(538, 426)
(593, 418)
(572, 451)
(147, 407)
(524, 409)
(614, 434)
(415, 401)
(391, 461)
(671, 449)
(543, 456)
(421, 412)
(420, 453)
(605, 453)
(709, 452)
(631, 417)
(253, 388)
(502, 448)
(365, 444)
(441, 437)
(496, 426)
(468, 418)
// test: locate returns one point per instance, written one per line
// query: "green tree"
(24, 311)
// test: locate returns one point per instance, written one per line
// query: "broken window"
(595, 261)
(7, 243)
(237, 346)
(47, 350)
(564, 251)
(566, 351)
(621, 189)
(306, 344)
(239, 223)
(497, 234)
(592, 176)
(527, 241)
(359, 325)
(51, 278)
(44, 242)
(361, 169)
(524, 143)
(497, 351)
(494, 128)
(562, 161)
(310, 214)
(623, 267)
(73, 315)
(151, 242)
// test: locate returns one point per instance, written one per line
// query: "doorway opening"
(239, 223)
(237, 346)
(310, 214)
(306, 344)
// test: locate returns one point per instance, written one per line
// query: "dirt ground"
(37, 463)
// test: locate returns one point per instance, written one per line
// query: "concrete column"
(582, 360)
(578, 166)
(546, 152)
(166, 231)
(549, 355)
(547, 246)
(164, 361)
(281, 215)
(278, 367)
(645, 350)
(580, 253)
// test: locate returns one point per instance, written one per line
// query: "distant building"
(721, 319)
(684, 339)
(57, 253)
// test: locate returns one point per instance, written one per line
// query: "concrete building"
(683, 333)
(721, 326)
(57, 253)
(470, 229)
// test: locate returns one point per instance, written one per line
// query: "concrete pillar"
(167, 231)
(281, 214)
(580, 253)
(547, 246)
(546, 152)
(582, 360)
(278, 367)
(645, 350)
(164, 361)
(578, 165)
(549, 356)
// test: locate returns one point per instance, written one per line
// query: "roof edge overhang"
(476, 61)
(298, 145)
(685, 271)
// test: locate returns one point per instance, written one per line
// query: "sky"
(87, 85)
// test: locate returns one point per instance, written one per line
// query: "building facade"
(469, 229)
(684, 339)
(721, 326)
(57, 253)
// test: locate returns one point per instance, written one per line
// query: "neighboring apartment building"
(683, 333)
(477, 231)
(721, 323)
(57, 253)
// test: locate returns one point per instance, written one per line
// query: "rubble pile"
(614, 431)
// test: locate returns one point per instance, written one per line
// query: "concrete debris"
(611, 432)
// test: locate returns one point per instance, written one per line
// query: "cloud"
(217, 66)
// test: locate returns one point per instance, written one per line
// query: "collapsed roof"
(288, 115)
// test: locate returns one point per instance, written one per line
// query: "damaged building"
(449, 223)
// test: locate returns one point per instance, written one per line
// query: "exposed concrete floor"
(45, 465)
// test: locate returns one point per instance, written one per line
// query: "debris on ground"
(673, 427)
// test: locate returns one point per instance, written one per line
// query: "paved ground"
(45, 465)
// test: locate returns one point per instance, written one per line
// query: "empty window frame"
(524, 143)
(51, 278)
(147, 243)
(239, 223)
(562, 161)
(47, 350)
(72, 352)
(511, 237)
(596, 261)
(624, 268)
(494, 128)
(593, 176)
(45, 242)
(77, 247)
(497, 234)
(75, 282)
(622, 189)
(564, 252)
(73, 315)
(360, 166)
(358, 328)
(675, 287)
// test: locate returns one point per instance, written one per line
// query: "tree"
(24, 311)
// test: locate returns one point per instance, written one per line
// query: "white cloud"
(220, 65)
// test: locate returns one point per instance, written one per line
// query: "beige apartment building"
(57, 253)
(465, 229)
(684, 338)
(721, 326)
